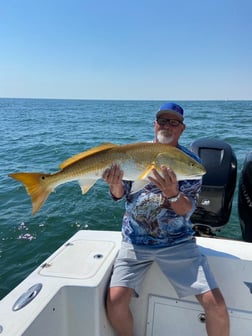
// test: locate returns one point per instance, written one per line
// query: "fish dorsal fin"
(87, 153)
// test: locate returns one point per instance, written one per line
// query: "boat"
(65, 295)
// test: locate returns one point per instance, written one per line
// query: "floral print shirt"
(149, 218)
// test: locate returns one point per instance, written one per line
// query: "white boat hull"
(74, 281)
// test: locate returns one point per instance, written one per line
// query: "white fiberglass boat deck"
(65, 294)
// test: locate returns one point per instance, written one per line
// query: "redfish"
(136, 160)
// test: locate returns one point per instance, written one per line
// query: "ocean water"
(38, 134)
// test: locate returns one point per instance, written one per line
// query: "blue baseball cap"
(172, 108)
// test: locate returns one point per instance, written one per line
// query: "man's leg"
(217, 319)
(118, 312)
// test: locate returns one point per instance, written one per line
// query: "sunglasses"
(170, 122)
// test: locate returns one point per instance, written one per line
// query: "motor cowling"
(245, 198)
(218, 184)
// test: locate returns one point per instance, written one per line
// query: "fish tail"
(36, 187)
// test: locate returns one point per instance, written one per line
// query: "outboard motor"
(218, 185)
(245, 198)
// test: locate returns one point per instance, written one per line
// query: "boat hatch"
(167, 313)
(179, 315)
(80, 259)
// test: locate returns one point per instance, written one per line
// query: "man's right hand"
(113, 176)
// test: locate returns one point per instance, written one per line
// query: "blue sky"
(126, 49)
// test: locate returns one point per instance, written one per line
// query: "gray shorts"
(183, 264)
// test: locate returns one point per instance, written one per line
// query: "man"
(161, 230)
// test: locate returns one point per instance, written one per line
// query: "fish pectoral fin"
(86, 184)
(138, 185)
(142, 179)
(146, 172)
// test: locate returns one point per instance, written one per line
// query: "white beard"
(164, 137)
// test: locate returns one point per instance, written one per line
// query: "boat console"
(218, 185)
